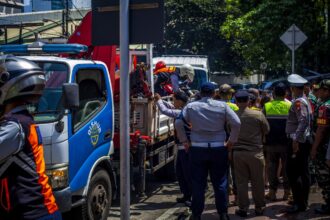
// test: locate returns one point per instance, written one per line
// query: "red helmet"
(159, 65)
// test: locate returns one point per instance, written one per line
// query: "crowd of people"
(256, 137)
(235, 137)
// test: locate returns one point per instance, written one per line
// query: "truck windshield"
(49, 106)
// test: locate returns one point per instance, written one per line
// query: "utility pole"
(124, 111)
(65, 18)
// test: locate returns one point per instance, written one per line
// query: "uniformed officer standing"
(320, 145)
(225, 94)
(276, 112)
(208, 148)
(182, 161)
(248, 156)
(298, 129)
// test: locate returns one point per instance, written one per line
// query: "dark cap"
(182, 96)
(280, 85)
(208, 87)
(242, 94)
(325, 84)
(280, 89)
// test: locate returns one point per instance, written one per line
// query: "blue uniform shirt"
(207, 118)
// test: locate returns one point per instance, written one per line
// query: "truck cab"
(78, 142)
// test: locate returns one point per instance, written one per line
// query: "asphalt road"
(160, 197)
(160, 204)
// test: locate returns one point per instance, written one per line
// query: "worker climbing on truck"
(167, 78)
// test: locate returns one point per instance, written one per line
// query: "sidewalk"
(274, 210)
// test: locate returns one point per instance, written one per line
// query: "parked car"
(243, 86)
(268, 85)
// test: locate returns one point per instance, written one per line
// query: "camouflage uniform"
(322, 170)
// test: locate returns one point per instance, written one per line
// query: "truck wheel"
(99, 196)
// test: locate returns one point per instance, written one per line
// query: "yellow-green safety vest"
(233, 106)
(277, 107)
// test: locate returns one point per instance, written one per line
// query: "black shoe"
(182, 199)
(195, 217)
(188, 203)
(323, 210)
(241, 213)
(224, 216)
(295, 209)
(259, 211)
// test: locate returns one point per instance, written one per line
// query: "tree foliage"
(192, 27)
(238, 35)
(254, 28)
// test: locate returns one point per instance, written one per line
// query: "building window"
(57, 4)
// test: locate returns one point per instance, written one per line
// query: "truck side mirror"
(71, 95)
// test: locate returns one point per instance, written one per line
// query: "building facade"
(48, 5)
(11, 6)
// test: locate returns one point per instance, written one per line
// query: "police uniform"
(321, 168)
(276, 112)
(182, 160)
(225, 95)
(313, 101)
(248, 156)
(298, 130)
(207, 152)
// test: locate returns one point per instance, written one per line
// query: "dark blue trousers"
(183, 173)
(214, 161)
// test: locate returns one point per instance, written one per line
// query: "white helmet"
(187, 70)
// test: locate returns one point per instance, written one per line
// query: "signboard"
(293, 37)
(146, 22)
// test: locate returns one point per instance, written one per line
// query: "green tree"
(192, 27)
(253, 27)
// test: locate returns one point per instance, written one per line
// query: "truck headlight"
(58, 178)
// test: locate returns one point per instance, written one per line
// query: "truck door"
(92, 123)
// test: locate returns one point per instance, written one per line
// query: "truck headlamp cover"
(58, 178)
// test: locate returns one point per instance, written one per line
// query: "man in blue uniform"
(182, 162)
(208, 148)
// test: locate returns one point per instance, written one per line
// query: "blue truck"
(78, 120)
